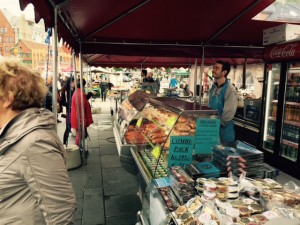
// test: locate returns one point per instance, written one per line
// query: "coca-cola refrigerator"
(281, 112)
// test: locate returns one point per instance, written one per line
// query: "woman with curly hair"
(34, 184)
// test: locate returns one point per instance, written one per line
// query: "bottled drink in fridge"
(275, 92)
(297, 134)
(274, 111)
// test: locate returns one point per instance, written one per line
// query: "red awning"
(169, 28)
(146, 61)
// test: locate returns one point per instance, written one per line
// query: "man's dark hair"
(144, 72)
(225, 66)
(83, 83)
(67, 84)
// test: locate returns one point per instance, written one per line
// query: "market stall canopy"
(147, 61)
(99, 69)
(158, 28)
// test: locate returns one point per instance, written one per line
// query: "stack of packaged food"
(169, 198)
(258, 202)
(202, 169)
(221, 188)
(182, 184)
(155, 167)
(239, 159)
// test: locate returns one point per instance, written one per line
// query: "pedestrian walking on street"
(88, 119)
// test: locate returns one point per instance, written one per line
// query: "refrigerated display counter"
(124, 116)
(247, 122)
(150, 131)
(143, 135)
(280, 136)
(145, 142)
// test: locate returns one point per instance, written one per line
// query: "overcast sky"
(13, 6)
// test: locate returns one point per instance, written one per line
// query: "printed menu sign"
(207, 135)
(181, 150)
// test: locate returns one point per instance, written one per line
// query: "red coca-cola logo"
(283, 52)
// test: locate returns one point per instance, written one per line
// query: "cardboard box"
(281, 33)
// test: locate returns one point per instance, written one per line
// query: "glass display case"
(151, 130)
(282, 110)
(151, 88)
(273, 77)
(291, 114)
(124, 116)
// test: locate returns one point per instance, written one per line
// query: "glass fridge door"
(291, 117)
(273, 78)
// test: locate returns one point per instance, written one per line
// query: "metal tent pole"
(89, 72)
(201, 73)
(82, 139)
(77, 98)
(195, 83)
(54, 71)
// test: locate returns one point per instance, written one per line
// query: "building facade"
(7, 36)
(26, 39)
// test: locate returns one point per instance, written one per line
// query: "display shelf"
(289, 158)
(142, 218)
(117, 139)
(293, 84)
(292, 103)
(294, 69)
(290, 143)
(141, 166)
(269, 137)
(246, 124)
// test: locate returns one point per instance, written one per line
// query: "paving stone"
(79, 210)
(108, 149)
(94, 171)
(93, 212)
(122, 205)
(108, 161)
(92, 131)
(93, 143)
(77, 178)
(77, 222)
(124, 220)
(116, 181)
(103, 135)
(103, 173)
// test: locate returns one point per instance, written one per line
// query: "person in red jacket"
(88, 120)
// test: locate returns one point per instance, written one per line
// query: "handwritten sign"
(207, 135)
(181, 150)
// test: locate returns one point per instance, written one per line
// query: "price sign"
(207, 135)
(181, 150)
(139, 122)
(156, 151)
